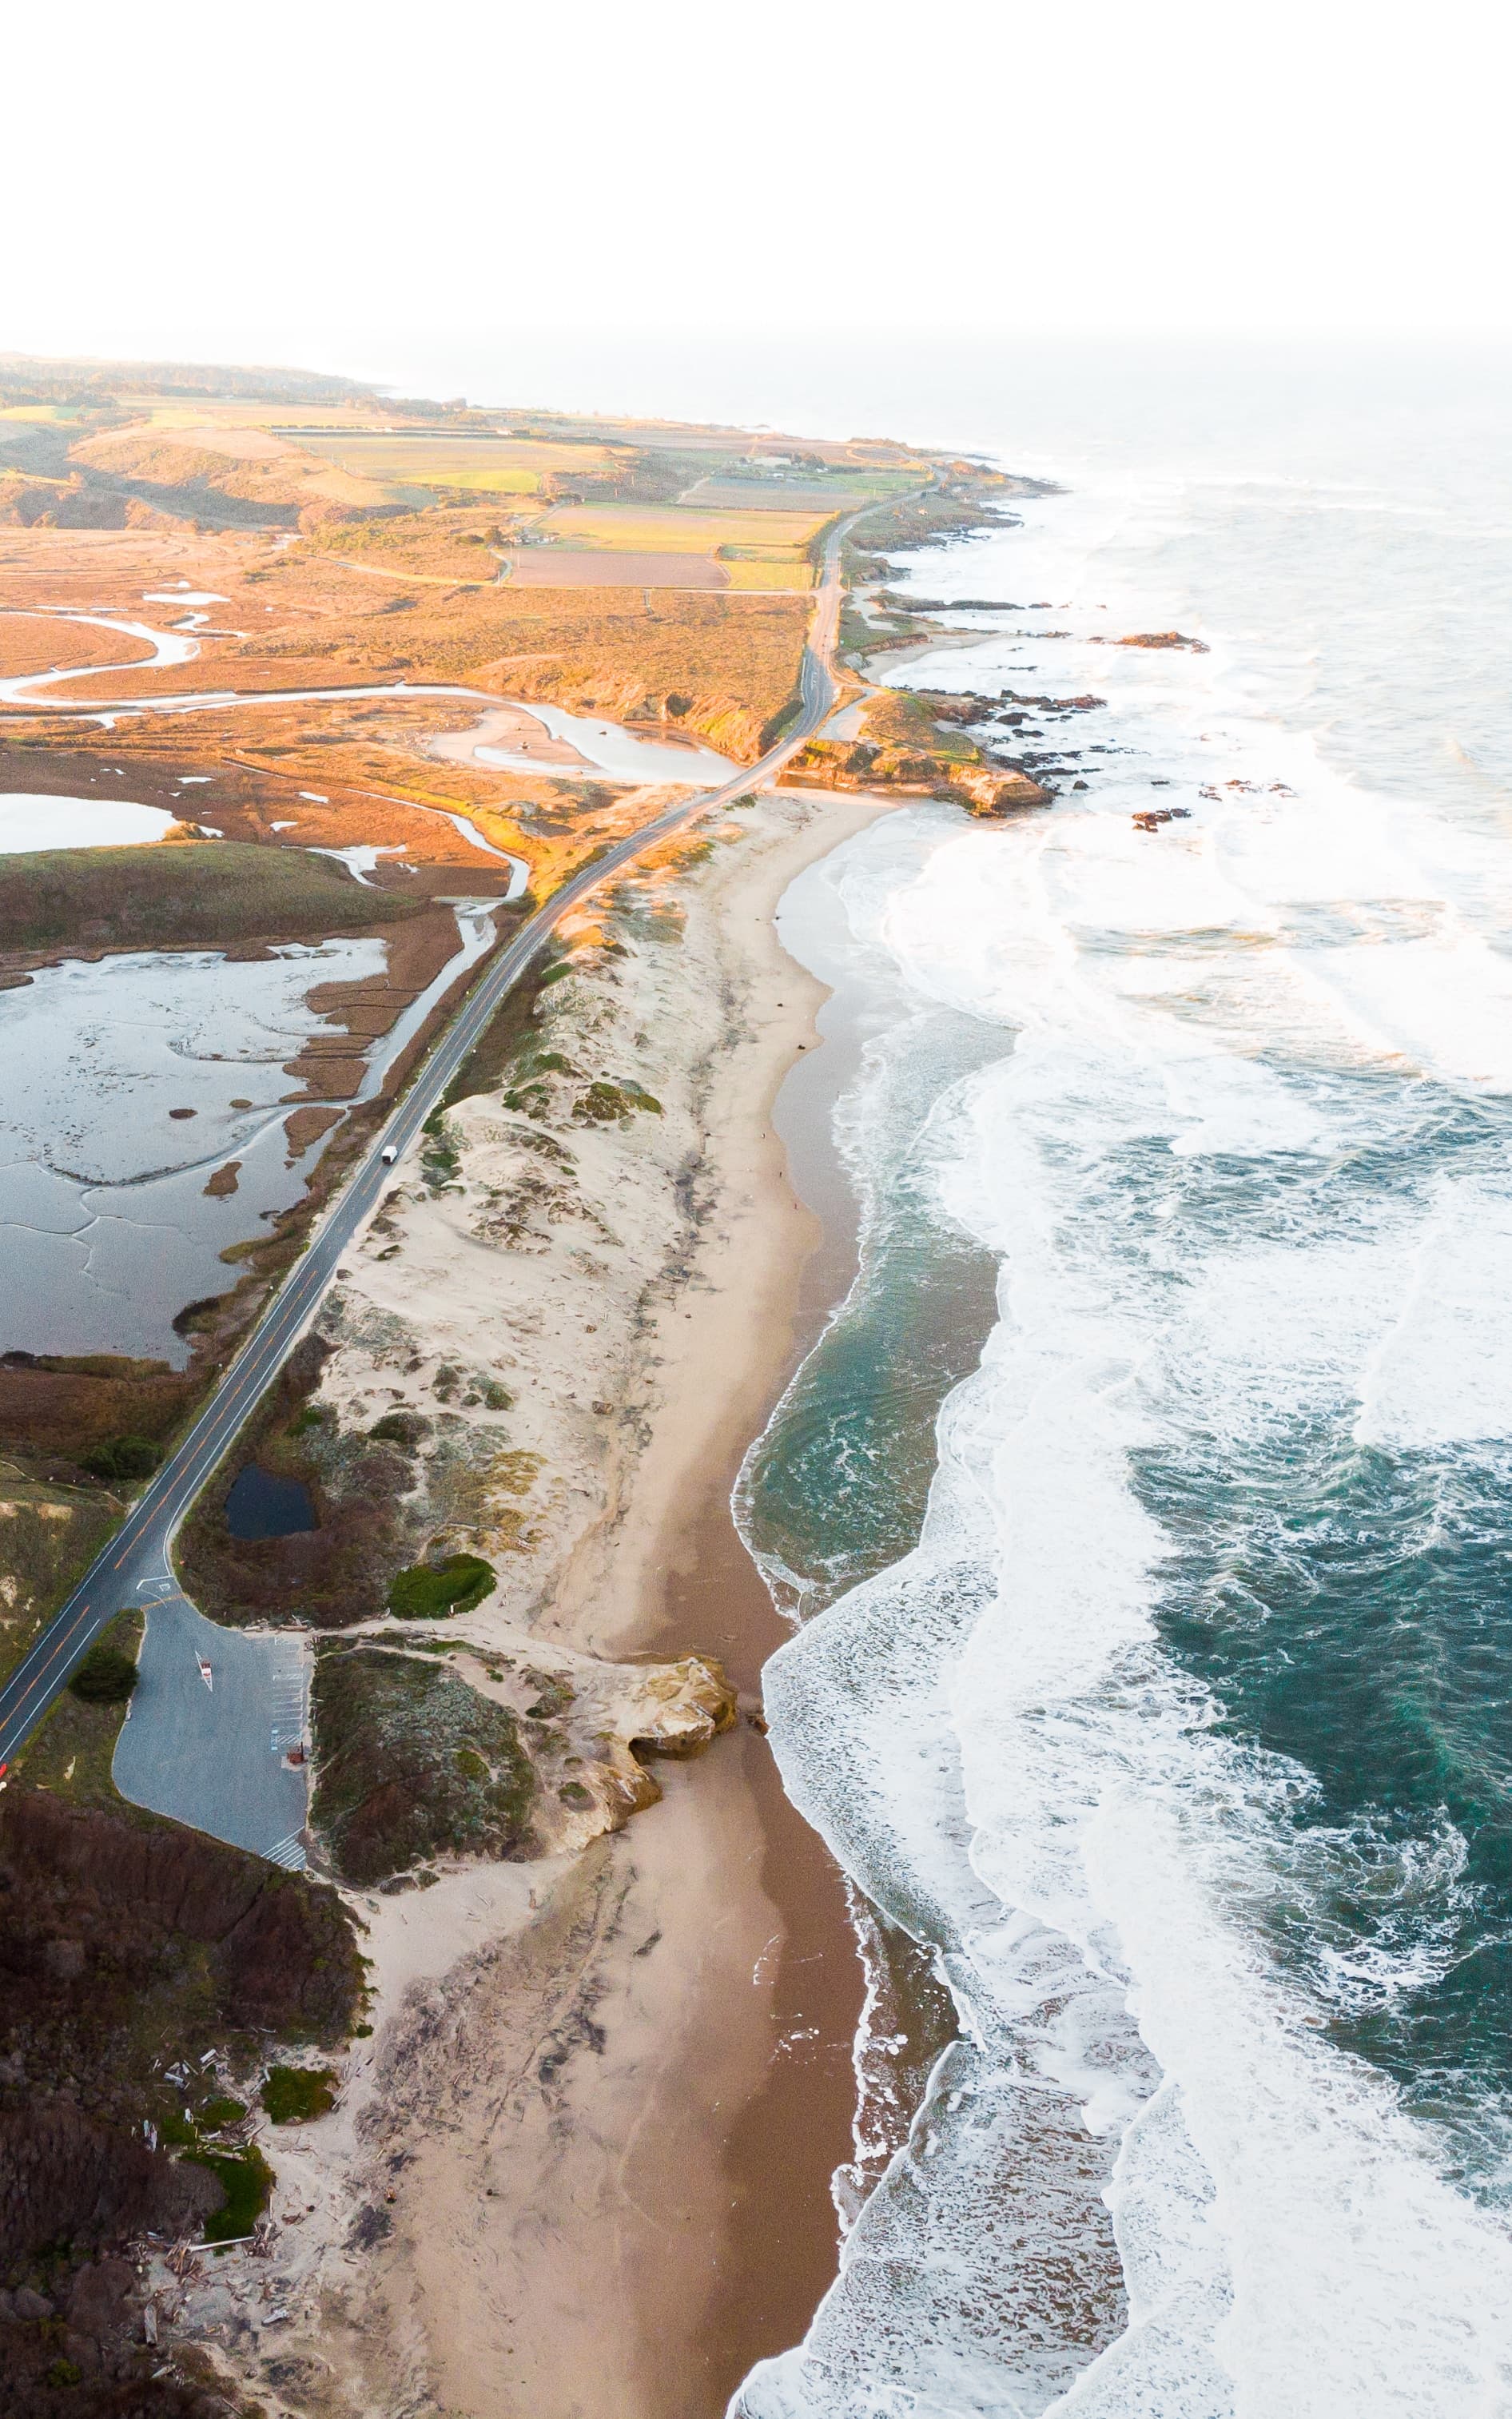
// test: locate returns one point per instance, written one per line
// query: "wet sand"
(779, 2149)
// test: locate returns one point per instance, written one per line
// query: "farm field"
(503, 466)
(561, 567)
(719, 495)
(283, 419)
(677, 529)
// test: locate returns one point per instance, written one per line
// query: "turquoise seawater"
(1146, 1511)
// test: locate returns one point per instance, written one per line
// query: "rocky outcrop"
(678, 1709)
(915, 739)
(509, 1752)
(628, 1715)
(1156, 638)
(988, 792)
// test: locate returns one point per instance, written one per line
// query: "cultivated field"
(498, 464)
(561, 567)
(717, 495)
(676, 529)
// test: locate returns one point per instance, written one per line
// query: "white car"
(389, 1153)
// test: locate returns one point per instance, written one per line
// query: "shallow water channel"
(130, 1085)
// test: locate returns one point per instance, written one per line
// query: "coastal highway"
(134, 1568)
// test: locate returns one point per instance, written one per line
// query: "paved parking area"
(214, 1757)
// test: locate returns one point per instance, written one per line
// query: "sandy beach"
(583, 2163)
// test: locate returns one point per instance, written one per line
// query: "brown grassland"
(38, 642)
(306, 620)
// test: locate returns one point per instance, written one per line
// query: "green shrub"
(127, 1456)
(293, 2094)
(222, 2111)
(603, 1103)
(429, 1591)
(105, 1677)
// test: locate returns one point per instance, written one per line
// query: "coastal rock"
(680, 1708)
(988, 792)
(668, 1709)
(1157, 638)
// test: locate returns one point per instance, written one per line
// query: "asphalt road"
(134, 1568)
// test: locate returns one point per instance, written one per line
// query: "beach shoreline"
(588, 2151)
(763, 2247)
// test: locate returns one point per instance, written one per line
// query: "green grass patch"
(775, 725)
(247, 2180)
(70, 1753)
(429, 1591)
(604, 1104)
(440, 1159)
(222, 2111)
(166, 897)
(292, 2095)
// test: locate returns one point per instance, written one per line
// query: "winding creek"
(605, 748)
(138, 1080)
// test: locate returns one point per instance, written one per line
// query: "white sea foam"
(1199, 1025)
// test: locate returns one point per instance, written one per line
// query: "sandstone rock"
(681, 1707)
(985, 792)
(668, 1709)
(1163, 639)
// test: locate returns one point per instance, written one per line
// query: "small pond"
(29, 820)
(263, 1505)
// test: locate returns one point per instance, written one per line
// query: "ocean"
(1144, 1512)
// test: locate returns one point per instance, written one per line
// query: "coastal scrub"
(412, 1764)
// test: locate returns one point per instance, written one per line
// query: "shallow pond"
(612, 750)
(30, 820)
(261, 1505)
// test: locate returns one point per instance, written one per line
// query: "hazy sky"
(376, 188)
